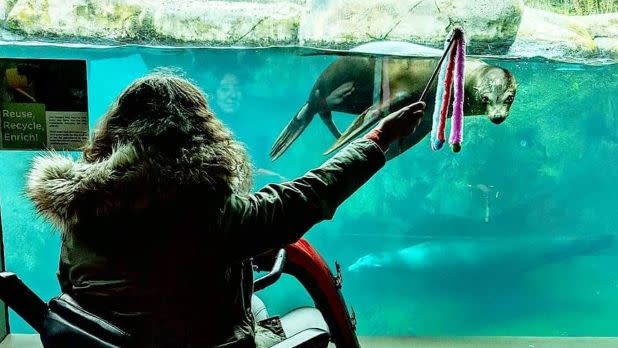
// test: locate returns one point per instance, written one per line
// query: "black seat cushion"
(69, 325)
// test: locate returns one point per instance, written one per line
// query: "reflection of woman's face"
(228, 94)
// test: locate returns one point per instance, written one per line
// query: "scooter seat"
(301, 319)
(69, 325)
(258, 308)
(304, 328)
(64, 323)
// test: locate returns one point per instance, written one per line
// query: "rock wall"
(210, 23)
(558, 36)
(492, 27)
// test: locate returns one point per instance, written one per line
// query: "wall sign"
(43, 104)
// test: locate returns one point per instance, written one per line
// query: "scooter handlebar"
(274, 274)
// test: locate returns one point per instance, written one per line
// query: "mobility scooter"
(62, 322)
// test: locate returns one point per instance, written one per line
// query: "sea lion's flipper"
(370, 118)
(363, 122)
(327, 118)
(292, 131)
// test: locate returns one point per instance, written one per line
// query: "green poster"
(23, 126)
(43, 104)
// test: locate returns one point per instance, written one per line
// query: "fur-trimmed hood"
(159, 141)
(65, 190)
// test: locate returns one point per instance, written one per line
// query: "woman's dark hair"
(165, 114)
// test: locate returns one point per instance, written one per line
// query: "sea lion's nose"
(498, 119)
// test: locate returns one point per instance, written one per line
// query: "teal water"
(517, 228)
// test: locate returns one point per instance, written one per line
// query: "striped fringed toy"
(453, 70)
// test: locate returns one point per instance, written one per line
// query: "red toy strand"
(446, 100)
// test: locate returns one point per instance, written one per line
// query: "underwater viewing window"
(511, 240)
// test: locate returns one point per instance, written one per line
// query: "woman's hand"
(399, 124)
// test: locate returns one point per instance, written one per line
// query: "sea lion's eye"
(509, 99)
(485, 99)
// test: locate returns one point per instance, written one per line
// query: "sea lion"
(353, 84)
(466, 257)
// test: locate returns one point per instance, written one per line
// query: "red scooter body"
(305, 264)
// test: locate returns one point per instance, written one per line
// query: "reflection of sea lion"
(347, 86)
(466, 257)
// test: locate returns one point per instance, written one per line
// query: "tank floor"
(32, 341)
(489, 342)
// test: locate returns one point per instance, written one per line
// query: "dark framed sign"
(44, 104)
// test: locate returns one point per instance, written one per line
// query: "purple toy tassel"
(456, 135)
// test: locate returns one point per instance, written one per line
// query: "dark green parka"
(147, 246)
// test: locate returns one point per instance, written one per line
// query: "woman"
(158, 225)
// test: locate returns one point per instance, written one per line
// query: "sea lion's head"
(495, 91)
(369, 262)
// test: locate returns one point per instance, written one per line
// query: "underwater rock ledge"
(492, 27)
